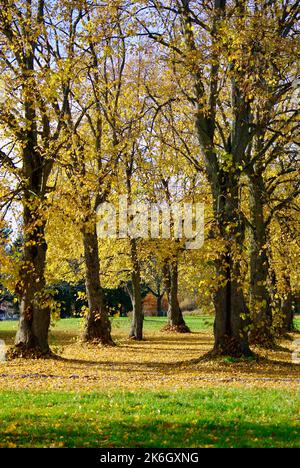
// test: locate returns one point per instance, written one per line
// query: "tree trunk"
(231, 312)
(136, 331)
(32, 334)
(33, 132)
(176, 321)
(231, 337)
(259, 295)
(97, 324)
(230, 324)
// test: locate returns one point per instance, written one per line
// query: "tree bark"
(136, 331)
(260, 300)
(231, 312)
(176, 321)
(32, 334)
(97, 323)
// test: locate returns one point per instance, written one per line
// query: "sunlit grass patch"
(191, 418)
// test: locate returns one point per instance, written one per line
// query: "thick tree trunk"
(230, 331)
(231, 312)
(136, 331)
(232, 318)
(259, 294)
(97, 323)
(32, 334)
(34, 137)
(176, 321)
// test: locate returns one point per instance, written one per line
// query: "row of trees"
(163, 101)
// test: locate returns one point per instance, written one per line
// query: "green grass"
(154, 324)
(122, 324)
(73, 326)
(151, 324)
(191, 418)
(196, 323)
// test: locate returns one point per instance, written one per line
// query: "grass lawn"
(157, 393)
(192, 418)
(120, 324)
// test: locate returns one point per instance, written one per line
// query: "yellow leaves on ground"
(160, 362)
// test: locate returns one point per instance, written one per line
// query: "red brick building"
(151, 305)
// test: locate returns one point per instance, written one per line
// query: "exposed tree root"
(231, 347)
(134, 338)
(214, 355)
(183, 328)
(22, 351)
(99, 342)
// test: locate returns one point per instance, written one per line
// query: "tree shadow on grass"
(197, 338)
(260, 365)
(260, 369)
(273, 370)
(121, 365)
(150, 433)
